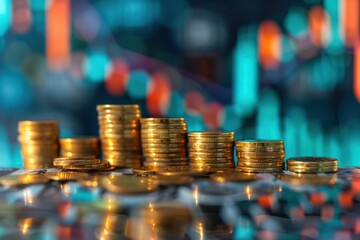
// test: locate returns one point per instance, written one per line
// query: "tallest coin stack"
(120, 134)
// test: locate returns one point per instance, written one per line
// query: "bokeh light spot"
(176, 106)
(296, 22)
(213, 115)
(12, 86)
(194, 102)
(117, 79)
(138, 84)
(159, 95)
(95, 66)
(5, 15)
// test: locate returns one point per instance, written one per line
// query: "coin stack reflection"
(164, 143)
(77, 147)
(260, 156)
(211, 150)
(39, 143)
(120, 134)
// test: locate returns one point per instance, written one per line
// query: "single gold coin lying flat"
(164, 126)
(58, 163)
(66, 176)
(210, 134)
(129, 184)
(101, 166)
(260, 149)
(313, 170)
(163, 141)
(233, 177)
(24, 179)
(163, 131)
(174, 180)
(181, 173)
(164, 164)
(211, 154)
(257, 143)
(212, 165)
(260, 160)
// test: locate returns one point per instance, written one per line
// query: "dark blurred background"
(262, 68)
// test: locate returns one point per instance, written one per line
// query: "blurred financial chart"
(284, 69)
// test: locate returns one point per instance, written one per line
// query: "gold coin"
(162, 140)
(210, 134)
(162, 120)
(143, 171)
(163, 131)
(79, 140)
(193, 141)
(214, 150)
(164, 150)
(112, 122)
(24, 179)
(174, 180)
(74, 158)
(211, 161)
(233, 177)
(258, 149)
(260, 160)
(76, 162)
(255, 143)
(323, 170)
(160, 159)
(163, 135)
(258, 170)
(306, 165)
(161, 164)
(260, 154)
(90, 182)
(117, 106)
(89, 167)
(165, 155)
(260, 165)
(216, 145)
(38, 124)
(129, 184)
(312, 160)
(308, 179)
(211, 154)
(163, 126)
(212, 165)
(163, 146)
(66, 176)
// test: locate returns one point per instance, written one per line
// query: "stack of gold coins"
(82, 146)
(39, 143)
(164, 143)
(312, 165)
(211, 150)
(120, 134)
(260, 156)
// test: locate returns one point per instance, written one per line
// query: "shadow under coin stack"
(39, 143)
(312, 165)
(211, 150)
(260, 156)
(77, 147)
(120, 134)
(164, 143)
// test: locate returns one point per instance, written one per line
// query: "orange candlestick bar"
(350, 19)
(269, 36)
(58, 34)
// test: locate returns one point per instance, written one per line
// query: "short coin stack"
(82, 163)
(82, 146)
(260, 156)
(120, 134)
(211, 150)
(312, 165)
(164, 143)
(39, 143)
